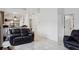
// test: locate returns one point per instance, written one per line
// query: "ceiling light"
(11, 22)
(15, 18)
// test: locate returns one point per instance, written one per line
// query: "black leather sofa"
(72, 42)
(20, 36)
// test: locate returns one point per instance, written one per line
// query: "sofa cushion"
(25, 31)
(15, 31)
(75, 35)
(71, 47)
(74, 43)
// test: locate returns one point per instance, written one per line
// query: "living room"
(48, 27)
(41, 21)
(39, 29)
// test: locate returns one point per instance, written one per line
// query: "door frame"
(64, 21)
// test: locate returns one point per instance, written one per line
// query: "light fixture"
(15, 18)
(11, 22)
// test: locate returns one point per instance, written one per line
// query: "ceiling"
(19, 12)
(11, 12)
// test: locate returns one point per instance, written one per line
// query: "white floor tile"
(41, 43)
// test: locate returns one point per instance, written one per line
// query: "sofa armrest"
(66, 38)
(14, 36)
(69, 38)
(31, 32)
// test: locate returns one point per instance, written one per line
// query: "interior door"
(68, 24)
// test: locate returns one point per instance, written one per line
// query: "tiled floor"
(41, 43)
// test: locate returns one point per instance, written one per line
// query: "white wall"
(48, 23)
(60, 25)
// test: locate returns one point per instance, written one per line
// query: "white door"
(68, 24)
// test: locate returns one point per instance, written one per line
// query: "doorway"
(68, 24)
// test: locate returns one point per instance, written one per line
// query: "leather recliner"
(72, 42)
(20, 36)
